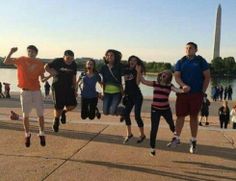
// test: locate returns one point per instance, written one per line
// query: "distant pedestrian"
(7, 89)
(1, 94)
(215, 93)
(233, 116)
(230, 92)
(221, 91)
(225, 92)
(204, 110)
(224, 115)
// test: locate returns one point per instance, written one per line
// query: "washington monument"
(217, 33)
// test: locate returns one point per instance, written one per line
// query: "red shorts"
(188, 104)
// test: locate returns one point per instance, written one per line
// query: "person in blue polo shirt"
(191, 73)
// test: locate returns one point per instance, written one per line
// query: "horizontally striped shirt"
(161, 96)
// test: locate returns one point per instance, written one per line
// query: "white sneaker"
(193, 147)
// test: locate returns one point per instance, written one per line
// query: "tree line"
(223, 66)
(218, 66)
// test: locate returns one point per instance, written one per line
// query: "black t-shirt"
(64, 78)
(131, 87)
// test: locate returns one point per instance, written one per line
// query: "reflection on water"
(9, 75)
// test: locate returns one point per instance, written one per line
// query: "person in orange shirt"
(29, 69)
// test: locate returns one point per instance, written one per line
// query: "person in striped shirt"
(160, 105)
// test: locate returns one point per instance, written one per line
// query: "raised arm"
(8, 60)
(140, 78)
(146, 82)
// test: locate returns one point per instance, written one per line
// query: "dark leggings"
(224, 123)
(135, 102)
(88, 107)
(155, 119)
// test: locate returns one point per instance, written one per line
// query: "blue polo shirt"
(192, 72)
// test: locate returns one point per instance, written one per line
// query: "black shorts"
(204, 113)
(63, 97)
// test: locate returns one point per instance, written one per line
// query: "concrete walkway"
(93, 150)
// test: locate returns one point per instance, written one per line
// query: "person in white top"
(233, 116)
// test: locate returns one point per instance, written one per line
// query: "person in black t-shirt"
(204, 110)
(134, 96)
(64, 93)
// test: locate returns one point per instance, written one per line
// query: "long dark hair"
(94, 65)
(117, 56)
(139, 62)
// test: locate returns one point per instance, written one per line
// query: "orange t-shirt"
(28, 72)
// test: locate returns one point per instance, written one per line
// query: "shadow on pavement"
(207, 150)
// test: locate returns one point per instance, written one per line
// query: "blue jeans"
(110, 103)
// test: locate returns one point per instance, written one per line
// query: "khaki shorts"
(29, 100)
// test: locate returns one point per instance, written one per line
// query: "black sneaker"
(27, 141)
(122, 119)
(174, 142)
(200, 123)
(42, 140)
(63, 117)
(152, 153)
(55, 125)
(98, 115)
(141, 139)
(193, 146)
(127, 138)
(207, 123)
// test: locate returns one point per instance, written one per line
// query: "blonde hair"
(169, 74)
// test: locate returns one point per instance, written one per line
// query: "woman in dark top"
(134, 97)
(112, 87)
(224, 115)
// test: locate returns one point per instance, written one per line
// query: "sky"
(154, 30)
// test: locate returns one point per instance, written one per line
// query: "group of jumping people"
(191, 73)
